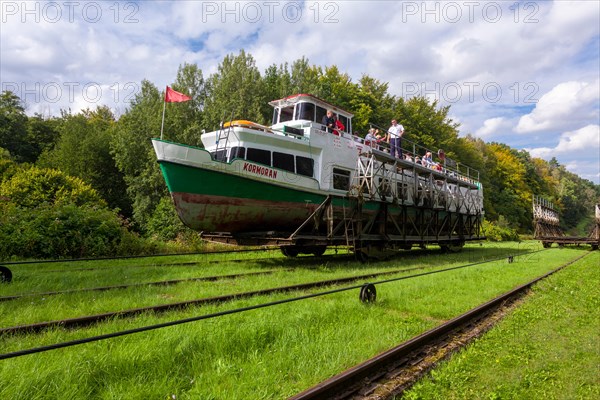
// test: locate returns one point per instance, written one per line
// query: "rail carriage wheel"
(319, 250)
(289, 251)
(5, 274)
(452, 247)
(361, 256)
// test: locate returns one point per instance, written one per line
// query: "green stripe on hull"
(186, 179)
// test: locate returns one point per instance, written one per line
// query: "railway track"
(392, 372)
(91, 319)
(184, 264)
(6, 274)
(255, 250)
(157, 283)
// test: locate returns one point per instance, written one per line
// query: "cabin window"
(275, 116)
(283, 161)
(341, 179)
(220, 155)
(306, 111)
(237, 152)
(305, 166)
(286, 114)
(321, 112)
(259, 156)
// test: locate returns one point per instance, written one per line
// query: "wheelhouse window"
(320, 114)
(283, 161)
(341, 179)
(344, 121)
(306, 111)
(259, 155)
(286, 114)
(305, 166)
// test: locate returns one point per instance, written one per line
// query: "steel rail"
(138, 256)
(156, 283)
(350, 381)
(188, 263)
(90, 319)
(201, 317)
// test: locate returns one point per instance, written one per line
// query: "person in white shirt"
(395, 139)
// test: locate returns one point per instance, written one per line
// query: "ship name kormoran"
(258, 170)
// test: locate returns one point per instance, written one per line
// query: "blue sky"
(525, 73)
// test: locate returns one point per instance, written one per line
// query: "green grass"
(46, 308)
(549, 348)
(261, 354)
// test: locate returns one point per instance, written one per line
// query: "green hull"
(216, 201)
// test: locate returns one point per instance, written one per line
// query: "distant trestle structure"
(548, 230)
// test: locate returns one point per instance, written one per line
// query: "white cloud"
(566, 103)
(583, 143)
(492, 126)
(589, 170)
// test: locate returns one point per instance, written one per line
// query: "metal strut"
(315, 217)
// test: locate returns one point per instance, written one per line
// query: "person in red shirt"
(339, 127)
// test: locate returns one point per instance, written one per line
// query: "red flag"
(172, 96)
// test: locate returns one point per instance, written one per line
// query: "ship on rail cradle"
(298, 186)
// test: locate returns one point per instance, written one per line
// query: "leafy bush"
(33, 186)
(499, 231)
(164, 224)
(64, 230)
(45, 213)
(7, 169)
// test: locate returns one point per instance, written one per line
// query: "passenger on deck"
(429, 163)
(426, 161)
(328, 121)
(394, 136)
(373, 138)
(339, 127)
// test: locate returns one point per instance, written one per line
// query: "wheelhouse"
(308, 109)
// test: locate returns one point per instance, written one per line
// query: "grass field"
(549, 348)
(261, 354)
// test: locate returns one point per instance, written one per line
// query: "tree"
(183, 121)
(133, 153)
(304, 78)
(234, 92)
(276, 83)
(83, 150)
(13, 128)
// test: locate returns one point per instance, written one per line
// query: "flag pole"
(162, 125)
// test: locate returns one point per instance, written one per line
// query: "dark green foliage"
(42, 134)
(499, 231)
(34, 186)
(133, 152)
(13, 128)
(63, 230)
(164, 224)
(83, 150)
(234, 92)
